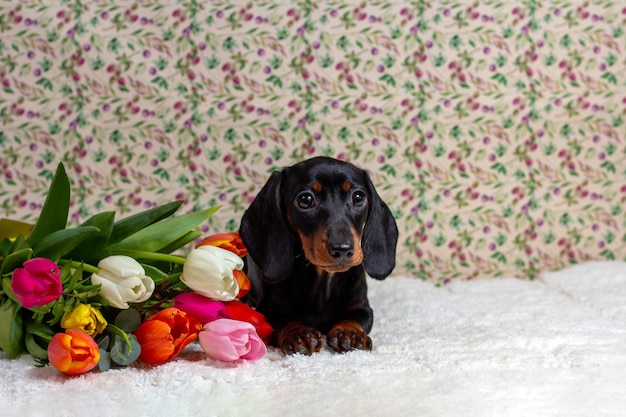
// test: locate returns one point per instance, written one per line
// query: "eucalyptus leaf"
(61, 242)
(128, 320)
(159, 235)
(53, 215)
(104, 342)
(105, 360)
(12, 329)
(128, 226)
(122, 354)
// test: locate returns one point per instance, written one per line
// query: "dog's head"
(328, 207)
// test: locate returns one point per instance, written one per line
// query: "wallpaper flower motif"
(494, 130)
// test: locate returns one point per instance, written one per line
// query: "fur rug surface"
(495, 347)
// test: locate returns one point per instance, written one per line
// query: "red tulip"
(163, 336)
(242, 312)
(229, 241)
(73, 352)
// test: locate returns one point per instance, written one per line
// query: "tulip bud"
(123, 280)
(73, 352)
(231, 340)
(229, 241)
(208, 270)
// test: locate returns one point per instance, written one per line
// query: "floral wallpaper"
(494, 130)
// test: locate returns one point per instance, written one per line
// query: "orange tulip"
(229, 241)
(73, 352)
(164, 335)
(242, 281)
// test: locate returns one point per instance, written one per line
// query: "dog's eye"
(305, 200)
(358, 198)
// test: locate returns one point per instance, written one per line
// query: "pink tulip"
(201, 308)
(231, 340)
(38, 283)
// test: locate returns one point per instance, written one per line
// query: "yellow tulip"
(86, 318)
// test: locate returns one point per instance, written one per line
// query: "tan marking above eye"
(317, 187)
(346, 186)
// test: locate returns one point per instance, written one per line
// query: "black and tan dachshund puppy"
(312, 232)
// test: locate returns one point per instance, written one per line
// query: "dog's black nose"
(343, 251)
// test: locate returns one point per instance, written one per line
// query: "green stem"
(155, 256)
(75, 264)
(116, 330)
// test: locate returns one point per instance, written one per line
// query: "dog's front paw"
(348, 335)
(298, 338)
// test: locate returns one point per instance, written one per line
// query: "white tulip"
(123, 280)
(208, 270)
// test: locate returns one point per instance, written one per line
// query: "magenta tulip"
(201, 308)
(38, 283)
(231, 340)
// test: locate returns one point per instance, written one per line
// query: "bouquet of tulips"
(107, 293)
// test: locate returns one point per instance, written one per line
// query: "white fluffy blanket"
(499, 347)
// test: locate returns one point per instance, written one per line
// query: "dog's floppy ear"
(265, 233)
(380, 236)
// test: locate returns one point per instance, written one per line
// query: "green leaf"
(179, 243)
(610, 77)
(33, 347)
(155, 273)
(15, 260)
(5, 246)
(132, 224)
(58, 309)
(90, 247)
(12, 330)
(53, 215)
(70, 276)
(159, 235)
(61, 242)
(37, 338)
(6, 289)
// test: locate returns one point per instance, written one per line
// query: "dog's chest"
(324, 288)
